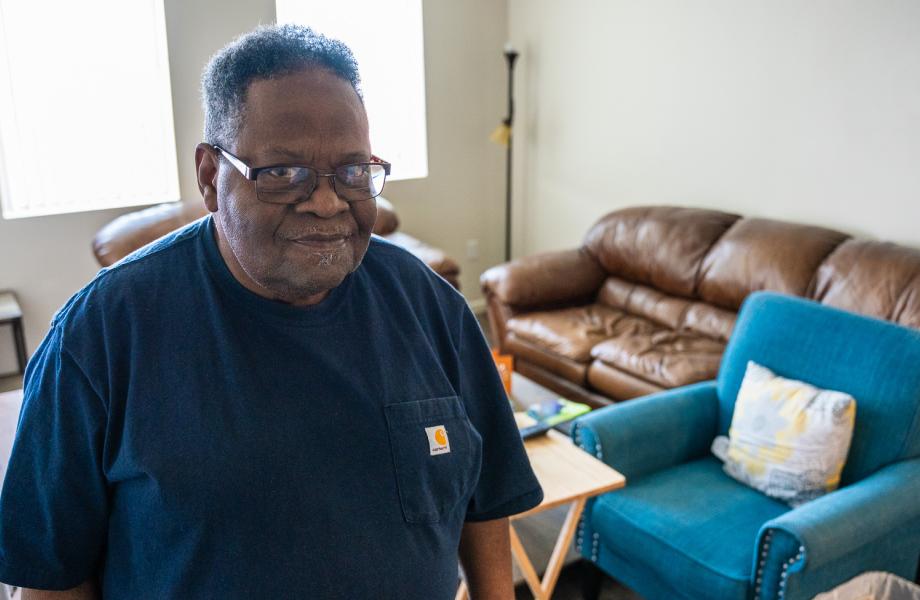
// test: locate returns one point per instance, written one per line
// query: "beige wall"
(463, 196)
(47, 259)
(807, 111)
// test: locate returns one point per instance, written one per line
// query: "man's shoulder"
(136, 274)
(182, 238)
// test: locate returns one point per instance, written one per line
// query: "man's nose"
(323, 202)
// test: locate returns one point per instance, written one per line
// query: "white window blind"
(85, 106)
(387, 40)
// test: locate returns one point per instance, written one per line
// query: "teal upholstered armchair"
(683, 529)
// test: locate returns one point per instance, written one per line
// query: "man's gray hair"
(266, 52)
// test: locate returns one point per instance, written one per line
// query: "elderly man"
(267, 403)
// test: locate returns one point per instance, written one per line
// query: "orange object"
(505, 364)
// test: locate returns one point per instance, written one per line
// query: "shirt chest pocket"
(436, 454)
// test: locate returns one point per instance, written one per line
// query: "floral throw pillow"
(787, 439)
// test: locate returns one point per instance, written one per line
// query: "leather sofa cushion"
(618, 384)
(669, 311)
(658, 246)
(573, 332)
(711, 321)
(554, 363)
(879, 279)
(643, 301)
(761, 254)
(663, 356)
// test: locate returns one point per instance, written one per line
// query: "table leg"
(542, 590)
(523, 561)
(562, 546)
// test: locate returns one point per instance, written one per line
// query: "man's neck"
(226, 253)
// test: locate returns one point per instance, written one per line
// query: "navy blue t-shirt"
(183, 437)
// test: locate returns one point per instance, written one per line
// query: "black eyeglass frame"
(252, 173)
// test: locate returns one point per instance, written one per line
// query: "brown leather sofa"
(129, 232)
(649, 299)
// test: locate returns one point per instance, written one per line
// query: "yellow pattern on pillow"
(788, 438)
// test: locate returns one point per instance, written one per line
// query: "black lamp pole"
(510, 57)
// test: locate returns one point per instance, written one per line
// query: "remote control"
(534, 430)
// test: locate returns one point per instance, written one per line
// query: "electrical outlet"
(472, 249)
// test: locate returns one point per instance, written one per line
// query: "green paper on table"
(562, 410)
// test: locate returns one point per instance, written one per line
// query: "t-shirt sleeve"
(507, 484)
(54, 501)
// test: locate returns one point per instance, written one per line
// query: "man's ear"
(206, 167)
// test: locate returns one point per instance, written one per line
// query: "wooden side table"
(11, 314)
(568, 475)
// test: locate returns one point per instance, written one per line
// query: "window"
(85, 106)
(386, 38)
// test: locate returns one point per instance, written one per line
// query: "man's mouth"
(322, 240)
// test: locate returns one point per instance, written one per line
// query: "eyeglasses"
(290, 184)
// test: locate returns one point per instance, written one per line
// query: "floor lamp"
(503, 135)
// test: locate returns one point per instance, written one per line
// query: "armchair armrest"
(817, 545)
(628, 436)
(544, 279)
(134, 230)
(387, 221)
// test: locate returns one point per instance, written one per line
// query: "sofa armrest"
(830, 531)
(629, 436)
(544, 279)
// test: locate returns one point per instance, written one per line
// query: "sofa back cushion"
(669, 311)
(658, 246)
(880, 279)
(709, 320)
(643, 301)
(872, 360)
(762, 254)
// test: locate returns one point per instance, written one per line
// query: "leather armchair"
(681, 528)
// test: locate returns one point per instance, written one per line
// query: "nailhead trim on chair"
(595, 538)
(580, 533)
(577, 434)
(767, 538)
(784, 574)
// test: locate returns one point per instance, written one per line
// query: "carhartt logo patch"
(437, 440)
